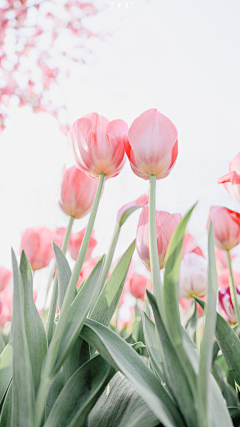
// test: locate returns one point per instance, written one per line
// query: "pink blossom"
(76, 241)
(223, 278)
(193, 277)
(138, 285)
(226, 227)
(225, 304)
(221, 258)
(127, 209)
(5, 277)
(190, 246)
(231, 180)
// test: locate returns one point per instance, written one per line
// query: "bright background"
(179, 57)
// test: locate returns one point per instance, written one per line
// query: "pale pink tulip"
(6, 310)
(138, 285)
(127, 209)
(76, 192)
(226, 227)
(225, 305)
(76, 241)
(97, 145)
(190, 246)
(152, 145)
(221, 258)
(193, 277)
(166, 224)
(38, 247)
(223, 278)
(87, 268)
(5, 277)
(231, 180)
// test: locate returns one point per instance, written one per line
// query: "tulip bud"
(76, 192)
(225, 304)
(166, 224)
(226, 227)
(193, 277)
(231, 180)
(97, 145)
(152, 145)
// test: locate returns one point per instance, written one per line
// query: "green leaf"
(205, 364)
(228, 342)
(121, 406)
(64, 273)
(35, 332)
(54, 392)
(228, 391)
(5, 420)
(76, 317)
(122, 357)
(235, 415)
(111, 293)
(150, 338)
(80, 394)
(23, 387)
(5, 370)
(2, 342)
(176, 379)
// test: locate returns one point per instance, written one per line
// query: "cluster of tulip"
(98, 147)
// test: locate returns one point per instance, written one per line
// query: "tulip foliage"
(75, 367)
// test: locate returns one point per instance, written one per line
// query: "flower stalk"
(233, 291)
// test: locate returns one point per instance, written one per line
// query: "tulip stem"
(53, 304)
(233, 290)
(154, 261)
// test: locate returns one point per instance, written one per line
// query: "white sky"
(179, 57)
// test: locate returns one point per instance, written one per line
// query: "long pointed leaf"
(5, 420)
(5, 370)
(150, 338)
(63, 272)
(121, 356)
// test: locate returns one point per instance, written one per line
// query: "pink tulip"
(127, 209)
(221, 258)
(76, 192)
(76, 241)
(185, 304)
(226, 227)
(225, 304)
(138, 285)
(87, 268)
(190, 246)
(97, 145)
(6, 309)
(5, 277)
(166, 224)
(152, 145)
(38, 247)
(231, 180)
(193, 278)
(223, 278)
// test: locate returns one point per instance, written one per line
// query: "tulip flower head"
(75, 242)
(166, 224)
(226, 227)
(138, 285)
(76, 192)
(193, 277)
(97, 145)
(224, 281)
(225, 304)
(190, 246)
(127, 209)
(231, 180)
(152, 145)
(221, 259)
(5, 277)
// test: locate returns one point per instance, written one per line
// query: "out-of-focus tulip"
(97, 145)
(138, 285)
(190, 246)
(6, 310)
(226, 227)
(223, 278)
(87, 268)
(166, 224)
(5, 277)
(76, 241)
(185, 304)
(37, 244)
(152, 145)
(221, 258)
(231, 180)
(225, 304)
(127, 209)
(76, 192)
(193, 276)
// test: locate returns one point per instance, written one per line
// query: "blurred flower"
(221, 258)
(166, 224)
(127, 209)
(97, 145)
(5, 277)
(76, 241)
(76, 192)
(87, 268)
(190, 246)
(226, 227)
(38, 247)
(6, 297)
(223, 278)
(138, 285)
(231, 180)
(152, 145)
(225, 304)
(185, 304)
(193, 277)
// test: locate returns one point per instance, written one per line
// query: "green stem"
(53, 304)
(110, 254)
(116, 319)
(154, 261)
(233, 290)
